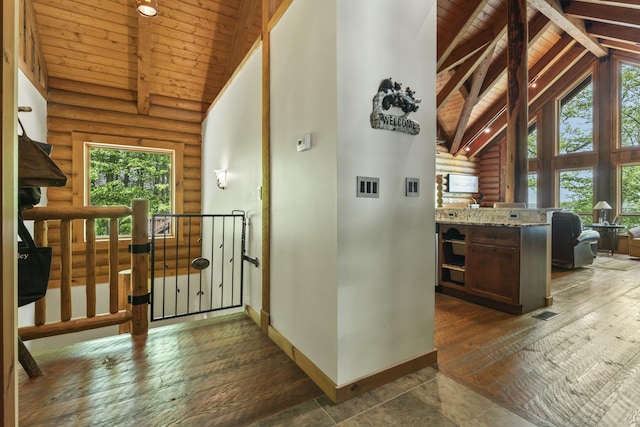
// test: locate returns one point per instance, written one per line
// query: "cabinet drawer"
(496, 236)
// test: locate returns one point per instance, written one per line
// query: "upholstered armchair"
(571, 246)
(634, 242)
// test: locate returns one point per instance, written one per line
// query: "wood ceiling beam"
(144, 64)
(626, 47)
(449, 40)
(466, 50)
(601, 13)
(615, 32)
(633, 4)
(466, 70)
(476, 84)
(575, 27)
(549, 69)
(537, 26)
(237, 52)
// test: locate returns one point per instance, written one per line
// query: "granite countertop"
(496, 217)
(494, 224)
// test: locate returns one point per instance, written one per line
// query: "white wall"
(352, 279)
(386, 245)
(232, 140)
(304, 233)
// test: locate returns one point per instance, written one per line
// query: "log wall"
(446, 163)
(75, 107)
(491, 173)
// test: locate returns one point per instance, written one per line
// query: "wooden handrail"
(82, 212)
(138, 314)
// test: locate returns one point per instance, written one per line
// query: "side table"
(608, 234)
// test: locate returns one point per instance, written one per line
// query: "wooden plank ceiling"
(472, 79)
(189, 51)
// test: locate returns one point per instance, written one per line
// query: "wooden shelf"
(453, 267)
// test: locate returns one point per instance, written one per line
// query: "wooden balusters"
(90, 257)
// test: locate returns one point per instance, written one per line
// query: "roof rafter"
(601, 13)
(615, 32)
(144, 64)
(466, 69)
(538, 24)
(449, 40)
(575, 27)
(476, 84)
(551, 67)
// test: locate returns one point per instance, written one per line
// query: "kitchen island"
(499, 258)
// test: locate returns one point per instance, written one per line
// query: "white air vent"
(368, 187)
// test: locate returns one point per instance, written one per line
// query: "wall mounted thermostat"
(304, 143)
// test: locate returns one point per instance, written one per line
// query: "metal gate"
(201, 260)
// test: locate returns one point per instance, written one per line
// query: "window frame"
(617, 94)
(81, 145)
(618, 207)
(569, 93)
(558, 172)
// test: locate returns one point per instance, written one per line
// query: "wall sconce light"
(603, 207)
(147, 8)
(221, 178)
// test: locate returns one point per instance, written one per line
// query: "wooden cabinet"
(498, 266)
(494, 264)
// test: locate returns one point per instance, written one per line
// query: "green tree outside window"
(118, 175)
(576, 119)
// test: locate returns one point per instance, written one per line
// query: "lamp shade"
(602, 205)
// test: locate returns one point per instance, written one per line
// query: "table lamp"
(602, 206)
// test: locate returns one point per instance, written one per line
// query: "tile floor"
(424, 398)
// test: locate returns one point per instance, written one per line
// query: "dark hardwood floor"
(580, 367)
(215, 372)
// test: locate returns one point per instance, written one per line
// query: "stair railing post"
(140, 267)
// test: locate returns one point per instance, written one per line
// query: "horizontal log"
(455, 169)
(91, 89)
(60, 124)
(179, 104)
(175, 114)
(73, 325)
(64, 97)
(121, 119)
(76, 212)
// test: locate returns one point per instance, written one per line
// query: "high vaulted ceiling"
(472, 56)
(190, 50)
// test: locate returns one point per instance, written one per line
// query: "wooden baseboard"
(357, 387)
(252, 314)
(375, 380)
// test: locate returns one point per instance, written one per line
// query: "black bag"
(34, 266)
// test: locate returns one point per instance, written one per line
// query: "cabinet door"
(493, 272)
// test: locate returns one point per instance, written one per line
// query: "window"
(575, 192)
(119, 174)
(629, 105)
(532, 183)
(532, 141)
(576, 119)
(115, 170)
(629, 195)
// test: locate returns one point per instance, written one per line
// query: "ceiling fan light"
(147, 8)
